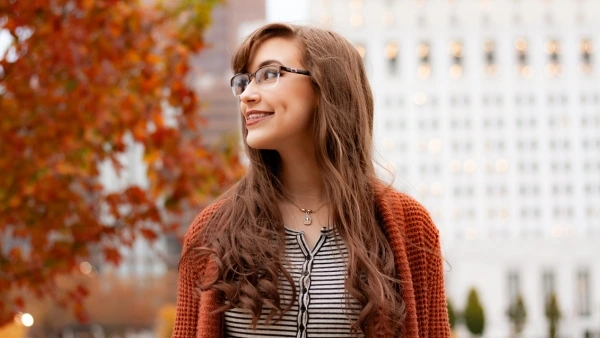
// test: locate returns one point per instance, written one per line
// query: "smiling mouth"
(257, 116)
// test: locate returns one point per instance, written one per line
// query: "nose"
(250, 94)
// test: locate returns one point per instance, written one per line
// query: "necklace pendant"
(307, 219)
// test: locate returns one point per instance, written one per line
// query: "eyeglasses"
(265, 77)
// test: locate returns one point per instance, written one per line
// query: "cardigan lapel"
(391, 214)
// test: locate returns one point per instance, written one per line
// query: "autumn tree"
(82, 84)
(451, 314)
(473, 315)
(553, 315)
(517, 314)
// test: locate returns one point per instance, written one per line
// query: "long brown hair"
(245, 236)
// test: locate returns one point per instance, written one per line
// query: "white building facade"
(488, 112)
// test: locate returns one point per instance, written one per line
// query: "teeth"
(256, 116)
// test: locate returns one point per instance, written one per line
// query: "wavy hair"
(245, 236)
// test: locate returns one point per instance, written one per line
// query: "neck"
(302, 179)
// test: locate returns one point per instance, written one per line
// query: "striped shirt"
(320, 309)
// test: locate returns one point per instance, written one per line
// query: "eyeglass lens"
(266, 76)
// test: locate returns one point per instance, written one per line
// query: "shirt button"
(304, 290)
(303, 308)
(308, 257)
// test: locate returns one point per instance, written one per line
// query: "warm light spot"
(27, 319)
(424, 71)
(387, 19)
(17, 319)
(423, 50)
(391, 50)
(521, 44)
(551, 47)
(356, 5)
(552, 69)
(501, 165)
(456, 49)
(455, 166)
(526, 72)
(420, 98)
(490, 69)
(85, 268)
(437, 188)
(470, 166)
(361, 50)
(356, 20)
(586, 46)
(557, 231)
(456, 71)
(435, 145)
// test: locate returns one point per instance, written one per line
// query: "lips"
(255, 116)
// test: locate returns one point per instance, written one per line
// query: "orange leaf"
(112, 255)
(149, 235)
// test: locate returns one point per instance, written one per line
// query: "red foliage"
(82, 83)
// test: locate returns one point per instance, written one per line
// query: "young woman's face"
(278, 117)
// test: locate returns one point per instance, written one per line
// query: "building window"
(586, 56)
(513, 285)
(553, 51)
(391, 56)
(523, 67)
(456, 69)
(548, 284)
(489, 51)
(583, 292)
(423, 52)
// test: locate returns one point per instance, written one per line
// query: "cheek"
(303, 100)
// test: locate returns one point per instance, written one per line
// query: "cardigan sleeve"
(439, 325)
(425, 258)
(188, 299)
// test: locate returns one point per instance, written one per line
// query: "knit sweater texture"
(414, 240)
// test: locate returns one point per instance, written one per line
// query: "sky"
(287, 11)
(276, 10)
(5, 40)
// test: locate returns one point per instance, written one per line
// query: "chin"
(260, 143)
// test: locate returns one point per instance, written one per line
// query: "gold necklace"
(307, 218)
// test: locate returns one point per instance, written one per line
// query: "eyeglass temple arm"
(295, 70)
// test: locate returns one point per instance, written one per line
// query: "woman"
(309, 243)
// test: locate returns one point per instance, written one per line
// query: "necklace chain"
(307, 218)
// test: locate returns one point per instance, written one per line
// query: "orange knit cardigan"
(419, 265)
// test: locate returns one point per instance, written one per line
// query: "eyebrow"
(269, 62)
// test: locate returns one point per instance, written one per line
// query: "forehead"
(284, 51)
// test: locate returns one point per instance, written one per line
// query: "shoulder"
(409, 213)
(200, 221)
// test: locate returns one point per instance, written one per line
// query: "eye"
(268, 74)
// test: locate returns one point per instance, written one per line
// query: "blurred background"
(487, 111)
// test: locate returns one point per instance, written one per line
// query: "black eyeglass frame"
(281, 68)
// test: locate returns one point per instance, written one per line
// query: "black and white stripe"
(322, 310)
